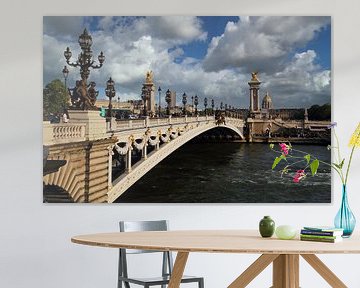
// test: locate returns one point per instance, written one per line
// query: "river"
(229, 173)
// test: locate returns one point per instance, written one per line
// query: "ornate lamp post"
(110, 92)
(168, 100)
(212, 105)
(196, 102)
(85, 61)
(145, 98)
(184, 101)
(192, 104)
(205, 104)
(159, 90)
(65, 72)
(221, 106)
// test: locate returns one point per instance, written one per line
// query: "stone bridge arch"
(126, 180)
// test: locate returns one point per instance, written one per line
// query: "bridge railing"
(63, 133)
(152, 122)
(129, 124)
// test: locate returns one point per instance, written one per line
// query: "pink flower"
(300, 174)
(284, 148)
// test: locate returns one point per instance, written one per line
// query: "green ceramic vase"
(266, 226)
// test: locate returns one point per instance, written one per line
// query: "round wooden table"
(284, 254)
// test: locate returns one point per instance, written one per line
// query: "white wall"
(35, 248)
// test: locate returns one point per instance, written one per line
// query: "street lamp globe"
(159, 106)
(65, 72)
(184, 101)
(196, 102)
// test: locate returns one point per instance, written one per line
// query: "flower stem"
(339, 171)
(351, 155)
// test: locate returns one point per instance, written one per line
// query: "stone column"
(144, 151)
(254, 84)
(158, 145)
(128, 160)
(95, 124)
(111, 153)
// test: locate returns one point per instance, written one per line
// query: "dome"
(267, 102)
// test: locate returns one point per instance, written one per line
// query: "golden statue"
(149, 77)
(254, 76)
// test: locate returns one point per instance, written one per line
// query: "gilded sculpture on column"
(149, 77)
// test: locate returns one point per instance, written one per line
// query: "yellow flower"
(355, 138)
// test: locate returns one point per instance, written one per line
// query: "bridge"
(88, 144)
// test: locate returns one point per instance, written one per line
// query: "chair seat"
(158, 280)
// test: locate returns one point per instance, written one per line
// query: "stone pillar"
(128, 160)
(149, 87)
(95, 124)
(254, 84)
(158, 145)
(111, 153)
(250, 129)
(144, 151)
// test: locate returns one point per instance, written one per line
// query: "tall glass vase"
(345, 219)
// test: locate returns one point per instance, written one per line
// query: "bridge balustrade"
(63, 133)
(153, 122)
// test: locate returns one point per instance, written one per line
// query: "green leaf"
(307, 157)
(272, 146)
(314, 166)
(339, 166)
(277, 160)
(342, 163)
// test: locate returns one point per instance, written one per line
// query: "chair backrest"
(134, 226)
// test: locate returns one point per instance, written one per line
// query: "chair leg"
(201, 283)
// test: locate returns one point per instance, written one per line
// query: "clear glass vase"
(345, 219)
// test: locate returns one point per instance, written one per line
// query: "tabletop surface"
(220, 241)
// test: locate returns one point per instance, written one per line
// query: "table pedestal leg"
(253, 270)
(324, 271)
(178, 270)
(286, 271)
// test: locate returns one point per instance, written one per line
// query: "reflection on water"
(228, 173)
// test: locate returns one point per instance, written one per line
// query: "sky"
(210, 56)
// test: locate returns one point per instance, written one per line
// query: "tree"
(317, 112)
(55, 99)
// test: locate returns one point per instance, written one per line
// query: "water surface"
(228, 173)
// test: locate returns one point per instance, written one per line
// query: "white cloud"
(261, 43)
(134, 45)
(300, 84)
(173, 28)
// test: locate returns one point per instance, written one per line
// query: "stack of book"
(321, 234)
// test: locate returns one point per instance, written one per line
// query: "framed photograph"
(186, 109)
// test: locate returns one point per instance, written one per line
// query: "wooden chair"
(163, 280)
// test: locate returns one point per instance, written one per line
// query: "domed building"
(267, 102)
